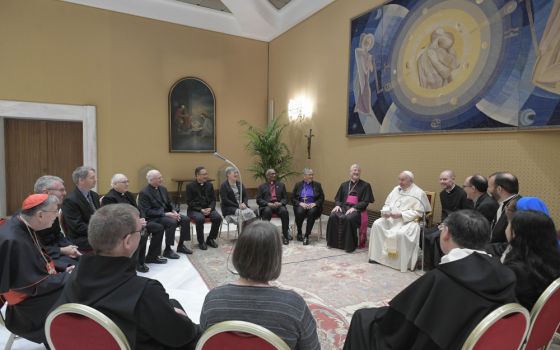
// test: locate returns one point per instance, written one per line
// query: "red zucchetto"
(33, 200)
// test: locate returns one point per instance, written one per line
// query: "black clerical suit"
(342, 228)
(52, 239)
(487, 206)
(139, 306)
(438, 310)
(264, 197)
(451, 201)
(310, 214)
(156, 229)
(154, 203)
(498, 242)
(25, 281)
(229, 203)
(499, 225)
(76, 212)
(200, 196)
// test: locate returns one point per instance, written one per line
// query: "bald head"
(447, 179)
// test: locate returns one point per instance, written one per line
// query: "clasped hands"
(391, 214)
(338, 209)
(274, 205)
(173, 214)
(307, 205)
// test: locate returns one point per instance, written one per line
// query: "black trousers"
(282, 212)
(310, 214)
(199, 218)
(169, 226)
(156, 230)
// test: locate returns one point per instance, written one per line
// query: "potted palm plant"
(271, 152)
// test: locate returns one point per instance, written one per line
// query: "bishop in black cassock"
(352, 199)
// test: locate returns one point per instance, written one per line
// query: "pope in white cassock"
(394, 236)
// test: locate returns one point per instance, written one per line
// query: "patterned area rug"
(333, 283)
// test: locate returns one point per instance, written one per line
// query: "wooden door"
(35, 148)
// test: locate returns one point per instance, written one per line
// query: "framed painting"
(454, 65)
(192, 116)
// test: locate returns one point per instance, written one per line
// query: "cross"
(309, 143)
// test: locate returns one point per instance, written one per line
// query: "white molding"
(253, 19)
(48, 111)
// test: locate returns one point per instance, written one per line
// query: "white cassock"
(394, 242)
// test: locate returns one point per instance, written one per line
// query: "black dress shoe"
(300, 237)
(170, 254)
(202, 246)
(285, 241)
(306, 240)
(142, 268)
(212, 243)
(155, 260)
(183, 249)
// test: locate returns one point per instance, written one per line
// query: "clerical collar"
(508, 198)
(451, 190)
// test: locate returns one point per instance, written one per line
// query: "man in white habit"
(394, 236)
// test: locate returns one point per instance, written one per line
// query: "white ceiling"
(254, 19)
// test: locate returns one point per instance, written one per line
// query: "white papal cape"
(394, 242)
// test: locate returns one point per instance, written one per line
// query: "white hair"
(409, 174)
(151, 174)
(116, 178)
(355, 165)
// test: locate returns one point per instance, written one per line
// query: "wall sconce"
(299, 109)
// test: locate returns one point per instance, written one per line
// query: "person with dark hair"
(475, 187)
(155, 204)
(441, 308)
(503, 187)
(257, 257)
(272, 198)
(202, 204)
(533, 254)
(119, 194)
(107, 281)
(79, 205)
(307, 199)
(29, 282)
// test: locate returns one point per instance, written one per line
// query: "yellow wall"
(312, 58)
(57, 52)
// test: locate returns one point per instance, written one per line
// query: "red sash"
(351, 199)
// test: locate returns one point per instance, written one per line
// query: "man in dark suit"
(120, 194)
(79, 206)
(272, 198)
(154, 203)
(307, 199)
(503, 187)
(52, 239)
(202, 204)
(476, 186)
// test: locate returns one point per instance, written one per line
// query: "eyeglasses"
(50, 211)
(465, 186)
(56, 189)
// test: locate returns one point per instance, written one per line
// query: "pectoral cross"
(309, 143)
